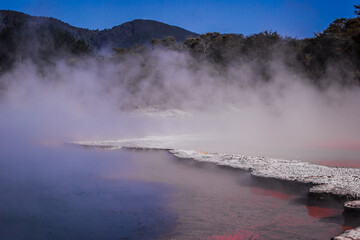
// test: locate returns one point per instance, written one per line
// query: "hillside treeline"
(330, 57)
(333, 52)
(43, 40)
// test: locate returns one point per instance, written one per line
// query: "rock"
(352, 206)
(353, 234)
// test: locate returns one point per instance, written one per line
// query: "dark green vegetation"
(330, 57)
(41, 38)
(334, 52)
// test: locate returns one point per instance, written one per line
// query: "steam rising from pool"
(170, 93)
(230, 116)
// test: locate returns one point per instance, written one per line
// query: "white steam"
(95, 99)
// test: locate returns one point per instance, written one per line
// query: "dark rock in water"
(351, 218)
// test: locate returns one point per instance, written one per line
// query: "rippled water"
(68, 192)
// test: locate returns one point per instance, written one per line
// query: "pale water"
(69, 192)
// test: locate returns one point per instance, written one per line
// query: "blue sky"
(294, 18)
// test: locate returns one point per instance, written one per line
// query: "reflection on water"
(215, 202)
(321, 212)
(62, 194)
(74, 193)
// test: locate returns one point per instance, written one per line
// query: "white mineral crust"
(339, 181)
(334, 180)
(353, 234)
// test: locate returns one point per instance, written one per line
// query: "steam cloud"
(96, 98)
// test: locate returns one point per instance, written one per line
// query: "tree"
(357, 11)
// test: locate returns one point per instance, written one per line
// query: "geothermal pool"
(70, 192)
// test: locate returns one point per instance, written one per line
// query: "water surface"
(69, 192)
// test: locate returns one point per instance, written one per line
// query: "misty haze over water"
(171, 94)
(200, 92)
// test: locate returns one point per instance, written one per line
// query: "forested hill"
(124, 35)
(333, 52)
(140, 32)
(22, 35)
